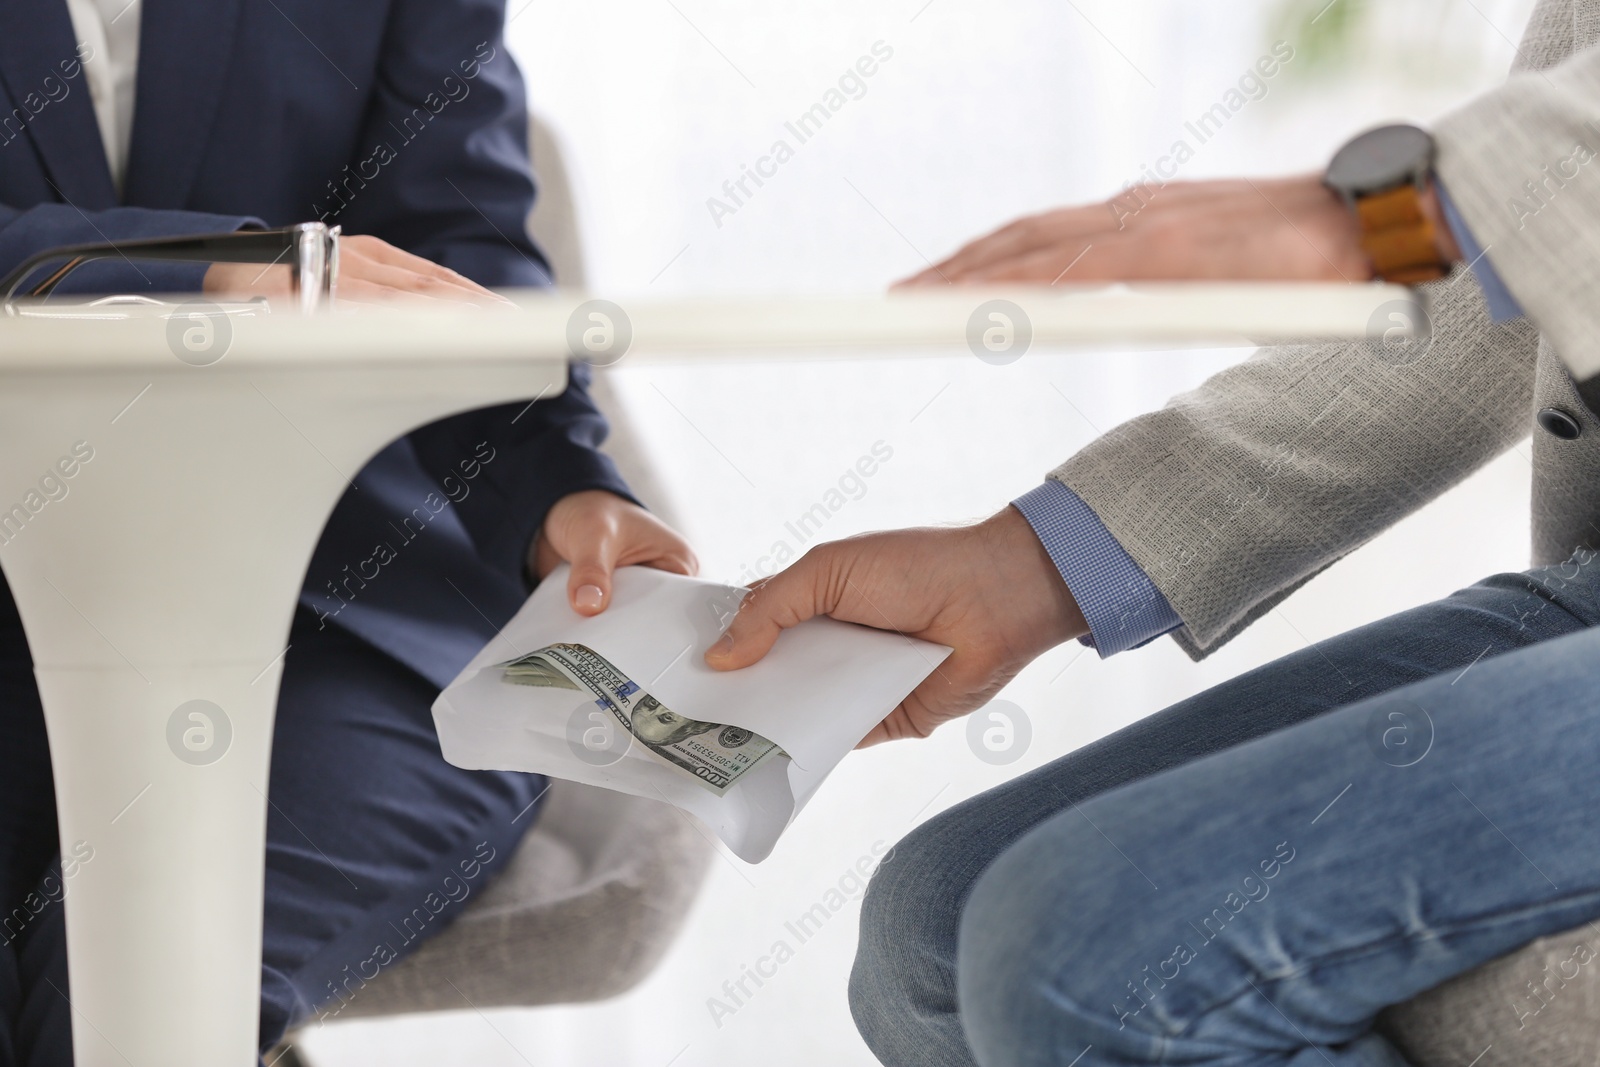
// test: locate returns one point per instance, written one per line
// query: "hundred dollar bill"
(712, 754)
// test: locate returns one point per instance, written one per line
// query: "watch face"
(1381, 159)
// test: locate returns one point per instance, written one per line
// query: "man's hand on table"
(1277, 229)
(597, 532)
(988, 591)
(371, 271)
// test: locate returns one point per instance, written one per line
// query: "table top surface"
(550, 325)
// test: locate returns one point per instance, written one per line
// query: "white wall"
(987, 109)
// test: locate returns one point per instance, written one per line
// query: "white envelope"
(821, 689)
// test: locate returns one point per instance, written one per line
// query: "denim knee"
(902, 986)
(1015, 944)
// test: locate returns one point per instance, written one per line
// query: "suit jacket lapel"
(35, 40)
(184, 49)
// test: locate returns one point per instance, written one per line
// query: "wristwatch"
(1382, 175)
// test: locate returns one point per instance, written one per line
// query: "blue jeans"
(1251, 876)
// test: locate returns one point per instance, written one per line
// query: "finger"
(652, 543)
(877, 735)
(948, 271)
(893, 728)
(412, 282)
(786, 599)
(589, 583)
(1070, 225)
(912, 717)
(361, 291)
(1075, 261)
(993, 257)
(961, 266)
(381, 251)
(898, 725)
(989, 258)
(676, 562)
(931, 276)
(1009, 241)
(979, 250)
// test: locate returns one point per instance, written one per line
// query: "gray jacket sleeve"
(1521, 165)
(1232, 496)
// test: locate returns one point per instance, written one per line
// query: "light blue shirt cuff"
(1122, 606)
(1503, 307)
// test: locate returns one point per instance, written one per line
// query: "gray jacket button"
(1558, 423)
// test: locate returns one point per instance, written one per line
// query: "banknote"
(711, 753)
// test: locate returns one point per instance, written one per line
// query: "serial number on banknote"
(713, 754)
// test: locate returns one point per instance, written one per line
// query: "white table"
(168, 572)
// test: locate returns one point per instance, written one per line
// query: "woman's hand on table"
(371, 271)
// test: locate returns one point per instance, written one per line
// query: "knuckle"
(905, 726)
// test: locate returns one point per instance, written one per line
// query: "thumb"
(589, 583)
(784, 600)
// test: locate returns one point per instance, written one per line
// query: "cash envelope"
(624, 701)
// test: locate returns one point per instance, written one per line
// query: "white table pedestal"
(168, 573)
(164, 570)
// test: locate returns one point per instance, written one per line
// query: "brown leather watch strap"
(1398, 236)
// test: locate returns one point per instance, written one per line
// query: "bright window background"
(987, 109)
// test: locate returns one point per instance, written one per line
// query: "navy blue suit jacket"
(405, 119)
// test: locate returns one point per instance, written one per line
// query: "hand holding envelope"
(624, 700)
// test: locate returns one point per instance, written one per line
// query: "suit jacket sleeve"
(442, 168)
(529, 457)
(448, 134)
(1234, 495)
(26, 231)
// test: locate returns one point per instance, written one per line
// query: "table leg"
(168, 577)
(164, 821)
